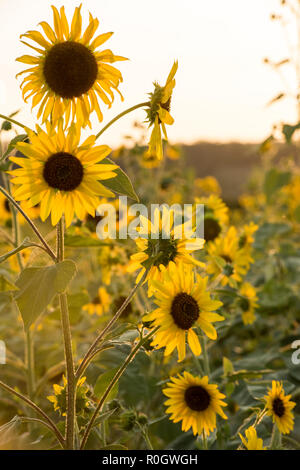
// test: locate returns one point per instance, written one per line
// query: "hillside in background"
(231, 163)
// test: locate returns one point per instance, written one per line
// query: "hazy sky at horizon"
(222, 84)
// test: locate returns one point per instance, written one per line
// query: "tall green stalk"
(29, 349)
(30, 364)
(66, 329)
(205, 355)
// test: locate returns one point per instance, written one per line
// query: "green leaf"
(288, 131)
(78, 241)
(297, 214)
(103, 382)
(247, 374)
(228, 369)
(14, 113)
(276, 98)
(114, 447)
(11, 145)
(103, 417)
(25, 244)
(6, 126)
(267, 144)
(227, 366)
(38, 286)
(274, 180)
(75, 303)
(269, 231)
(5, 285)
(120, 184)
(275, 296)
(5, 298)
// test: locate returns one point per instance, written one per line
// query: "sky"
(222, 85)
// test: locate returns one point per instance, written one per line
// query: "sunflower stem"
(204, 440)
(205, 355)
(101, 336)
(114, 380)
(145, 435)
(129, 110)
(36, 408)
(32, 225)
(29, 350)
(66, 329)
(30, 363)
(276, 438)
(17, 123)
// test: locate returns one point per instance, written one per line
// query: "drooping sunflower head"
(160, 99)
(251, 441)
(279, 406)
(161, 241)
(195, 402)
(150, 160)
(69, 74)
(183, 303)
(60, 174)
(248, 303)
(158, 112)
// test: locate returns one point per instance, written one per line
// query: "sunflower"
(173, 152)
(121, 220)
(100, 304)
(252, 203)
(183, 303)
(150, 160)
(246, 239)
(248, 303)
(69, 74)
(61, 175)
(251, 441)
(59, 399)
(227, 258)
(279, 407)
(5, 211)
(208, 185)
(195, 402)
(112, 260)
(158, 114)
(161, 242)
(291, 193)
(215, 216)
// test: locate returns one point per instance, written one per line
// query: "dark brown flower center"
(211, 229)
(197, 398)
(278, 407)
(226, 258)
(128, 309)
(166, 105)
(96, 300)
(93, 221)
(184, 310)
(6, 206)
(70, 69)
(63, 171)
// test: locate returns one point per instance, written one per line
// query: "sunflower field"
(165, 340)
